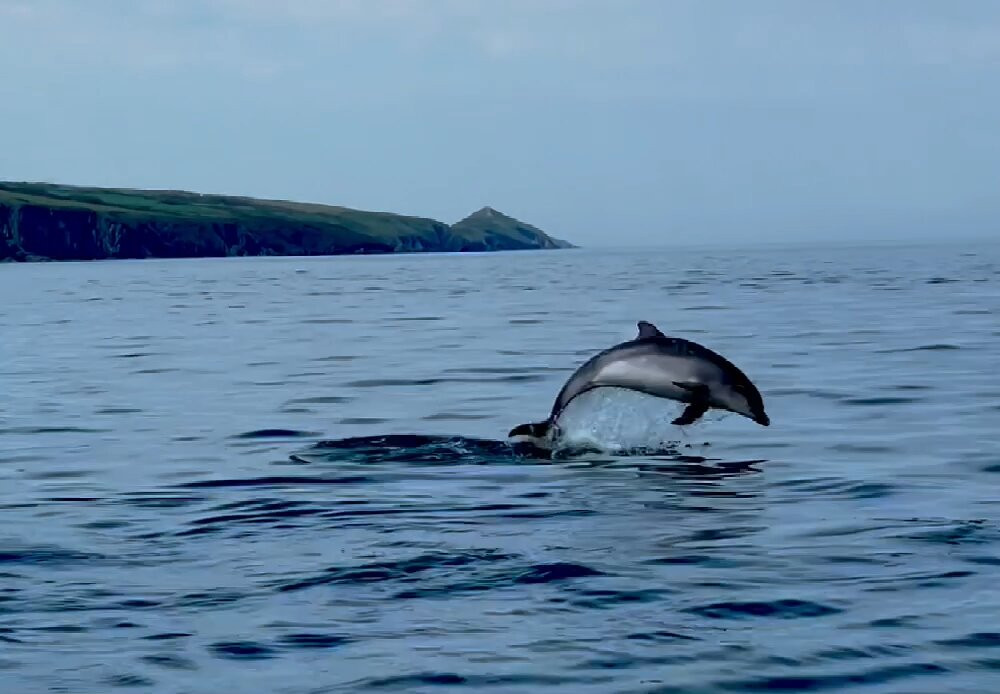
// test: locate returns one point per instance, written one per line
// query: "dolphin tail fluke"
(533, 430)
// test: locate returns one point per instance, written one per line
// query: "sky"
(624, 122)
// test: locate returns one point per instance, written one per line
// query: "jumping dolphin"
(665, 367)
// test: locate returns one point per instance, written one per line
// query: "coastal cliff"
(40, 221)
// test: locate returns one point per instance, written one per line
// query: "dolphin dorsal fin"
(647, 329)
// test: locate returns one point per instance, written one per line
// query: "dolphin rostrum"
(665, 367)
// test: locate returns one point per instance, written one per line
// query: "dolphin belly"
(653, 375)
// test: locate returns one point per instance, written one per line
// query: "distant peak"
(489, 226)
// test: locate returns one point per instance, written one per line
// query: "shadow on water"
(417, 449)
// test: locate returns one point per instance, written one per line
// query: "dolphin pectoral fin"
(691, 413)
(699, 402)
(647, 329)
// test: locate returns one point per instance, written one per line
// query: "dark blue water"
(290, 475)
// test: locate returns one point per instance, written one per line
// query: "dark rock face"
(8, 240)
(59, 234)
(49, 222)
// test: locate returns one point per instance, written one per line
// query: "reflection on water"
(288, 474)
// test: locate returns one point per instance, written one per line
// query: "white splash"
(618, 419)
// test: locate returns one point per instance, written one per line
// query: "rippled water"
(290, 475)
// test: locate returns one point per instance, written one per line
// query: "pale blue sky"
(604, 122)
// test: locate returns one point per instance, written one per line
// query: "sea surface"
(291, 475)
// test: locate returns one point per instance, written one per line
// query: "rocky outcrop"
(489, 230)
(50, 222)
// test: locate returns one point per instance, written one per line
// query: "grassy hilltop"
(42, 221)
